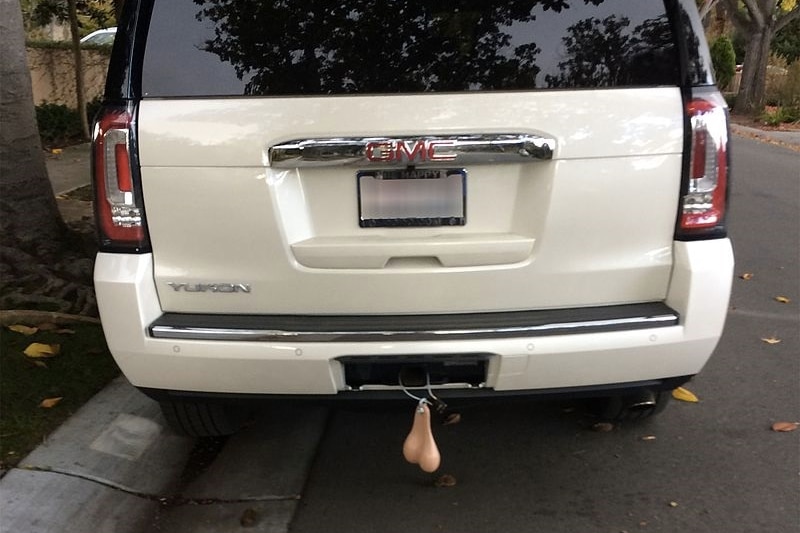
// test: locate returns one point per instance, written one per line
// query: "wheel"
(197, 419)
(630, 407)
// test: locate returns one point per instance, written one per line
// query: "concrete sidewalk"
(70, 168)
(102, 471)
(114, 467)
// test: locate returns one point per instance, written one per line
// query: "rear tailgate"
(592, 226)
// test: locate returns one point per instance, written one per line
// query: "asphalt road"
(714, 466)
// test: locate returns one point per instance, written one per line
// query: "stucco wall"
(53, 74)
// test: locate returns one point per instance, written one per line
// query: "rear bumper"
(517, 362)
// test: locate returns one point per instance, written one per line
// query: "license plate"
(412, 198)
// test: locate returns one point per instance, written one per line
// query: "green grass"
(83, 367)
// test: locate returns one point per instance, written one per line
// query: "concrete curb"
(114, 465)
(14, 316)
(101, 471)
(787, 139)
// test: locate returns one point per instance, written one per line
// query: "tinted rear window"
(321, 47)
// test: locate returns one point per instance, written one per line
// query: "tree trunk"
(118, 5)
(758, 22)
(750, 99)
(43, 265)
(80, 92)
(28, 212)
(706, 8)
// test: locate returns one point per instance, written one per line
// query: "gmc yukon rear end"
(344, 200)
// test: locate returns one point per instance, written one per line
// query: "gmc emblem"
(409, 151)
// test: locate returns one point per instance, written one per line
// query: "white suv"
(343, 199)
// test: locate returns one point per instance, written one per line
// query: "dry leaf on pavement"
(771, 340)
(603, 427)
(747, 276)
(782, 299)
(249, 518)
(37, 350)
(452, 418)
(25, 330)
(785, 427)
(445, 480)
(50, 402)
(684, 395)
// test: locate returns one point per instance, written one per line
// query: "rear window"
(328, 47)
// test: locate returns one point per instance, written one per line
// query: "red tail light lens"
(704, 199)
(118, 203)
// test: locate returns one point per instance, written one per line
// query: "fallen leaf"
(782, 299)
(38, 350)
(747, 276)
(445, 480)
(249, 517)
(452, 418)
(603, 427)
(56, 151)
(771, 340)
(785, 427)
(684, 395)
(649, 437)
(50, 402)
(673, 504)
(25, 330)
(40, 364)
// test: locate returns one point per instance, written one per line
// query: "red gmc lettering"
(433, 156)
(387, 151)
(380, 151)
(418, 150)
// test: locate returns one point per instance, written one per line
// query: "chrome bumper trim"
(411, 328)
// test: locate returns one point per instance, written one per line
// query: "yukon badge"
(210, 287)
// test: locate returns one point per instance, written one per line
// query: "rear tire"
(197, 419)
(630, 407)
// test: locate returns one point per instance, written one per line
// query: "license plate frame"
(412, 197)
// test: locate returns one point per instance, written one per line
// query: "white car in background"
(102, 37)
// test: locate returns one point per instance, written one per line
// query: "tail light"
(119, 207)
(705, 191)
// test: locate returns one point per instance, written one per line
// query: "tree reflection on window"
(362, 46)
(604, 53)
(326, 46)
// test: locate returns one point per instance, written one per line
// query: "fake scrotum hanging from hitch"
(420, 447)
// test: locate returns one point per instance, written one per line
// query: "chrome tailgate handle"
(413, 150)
